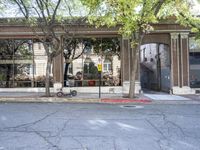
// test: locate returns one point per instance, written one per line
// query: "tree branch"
(23, 8)
(55, 11)
(46, 3)
(41, 9)
(158, 6)
(80, 53)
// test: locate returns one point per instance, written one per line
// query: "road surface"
(68, 126)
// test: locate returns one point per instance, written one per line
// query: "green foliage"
(187, 18)
(19, 48)
(106, 46)
(2, 77)
(132, 15)
(128, 13)
(24, 51)
(1, 6)
(194, 43)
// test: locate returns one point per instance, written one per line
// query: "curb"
(175, 102)
(92, 100)
(110, 100)
(48, 100)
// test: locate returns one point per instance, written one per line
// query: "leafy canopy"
(188, 18)
(132, 15)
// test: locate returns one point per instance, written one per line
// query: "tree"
(134, 18)
(46, 17)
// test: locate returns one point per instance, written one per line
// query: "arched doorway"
(155, 69)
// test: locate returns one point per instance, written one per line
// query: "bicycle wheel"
(74, 93)
(60, 94)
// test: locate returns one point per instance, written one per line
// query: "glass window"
(84, 55)
(107, 65)
(32, 69)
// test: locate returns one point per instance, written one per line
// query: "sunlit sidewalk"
(145, 98)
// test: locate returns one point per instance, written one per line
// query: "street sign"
(99, 67)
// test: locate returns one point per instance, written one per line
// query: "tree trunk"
(66, 73)
(47, 82)
(8, 75)
(134, 55)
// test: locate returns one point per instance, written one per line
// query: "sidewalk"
(146, 98)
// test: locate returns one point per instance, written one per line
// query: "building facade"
(165, 57)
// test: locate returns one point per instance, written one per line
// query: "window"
(32, 69)
(107, 65)
(39, 46)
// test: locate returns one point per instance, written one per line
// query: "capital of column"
(125, 38)
(184, 35)
(174, 35)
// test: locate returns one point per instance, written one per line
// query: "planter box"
(91, 83)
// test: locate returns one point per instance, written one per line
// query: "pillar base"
(126, 86)
(182, 90)
(57, 86)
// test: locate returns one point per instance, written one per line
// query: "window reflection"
(23, 62)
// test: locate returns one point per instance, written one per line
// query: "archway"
(155, 69)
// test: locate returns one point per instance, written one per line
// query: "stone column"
(58, 71)
(184, 59)
(180, 64)
(175, 60)
(125, 64)
(125, 58)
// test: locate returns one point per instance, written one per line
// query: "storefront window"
(23, 62)
(15, 61)
(84, 70)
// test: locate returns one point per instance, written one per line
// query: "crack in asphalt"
(170, 125)
(164, 138)
(58, 134)
(177, 127)
(39, 133)
(79, 142)
(114, 144)
(26, 125)
(47, 140)
(165, 126)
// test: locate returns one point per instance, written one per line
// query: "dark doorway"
(155, 67)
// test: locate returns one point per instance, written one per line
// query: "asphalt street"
(68, 126)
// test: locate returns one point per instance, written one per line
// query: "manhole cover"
(129, 106)
(132, 106)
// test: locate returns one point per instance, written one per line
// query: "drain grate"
(132, 106)
(128, 106)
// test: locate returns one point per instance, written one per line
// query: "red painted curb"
(125, 101)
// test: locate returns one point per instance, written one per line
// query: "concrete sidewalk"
(146, 98)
